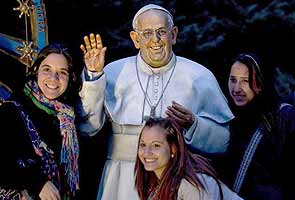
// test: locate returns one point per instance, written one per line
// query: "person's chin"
(149, 169)
(157, 62)
(51, 96)
(157, 56)
(240, 103)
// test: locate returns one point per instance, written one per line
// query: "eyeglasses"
(149, 33)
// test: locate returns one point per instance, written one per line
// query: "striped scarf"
(65, 114)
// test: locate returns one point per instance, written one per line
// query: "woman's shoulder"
(186, 184)
(187, 190)
(214, 188)
(206, 180)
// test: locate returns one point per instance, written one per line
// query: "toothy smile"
(148, 160)
(51, 86)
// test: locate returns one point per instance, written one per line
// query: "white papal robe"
(127, 90)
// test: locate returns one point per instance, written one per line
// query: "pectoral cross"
(153, 112)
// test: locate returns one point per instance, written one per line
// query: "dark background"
(211, 32)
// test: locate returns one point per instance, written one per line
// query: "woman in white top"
(166, 169)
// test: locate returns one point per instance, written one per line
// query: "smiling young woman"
(40, 149)
(166, 169)
(262, 134)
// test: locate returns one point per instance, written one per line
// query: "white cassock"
(127, 92)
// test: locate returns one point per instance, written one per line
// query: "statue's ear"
(174, 34)
(134, 36)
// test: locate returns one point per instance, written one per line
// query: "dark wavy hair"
(184, 165)
(57, 48)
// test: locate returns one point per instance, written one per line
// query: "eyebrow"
(245, 77)
(155, 28)
(152, 29)
(44, 65)
(155, 141)
(47, 65)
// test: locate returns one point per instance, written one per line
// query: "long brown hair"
(184, 164)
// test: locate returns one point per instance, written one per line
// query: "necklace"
(145, 92)
(154, 192)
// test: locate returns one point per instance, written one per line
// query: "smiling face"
(238, 84)
(154, 151)
(156, 49)
(53, 75)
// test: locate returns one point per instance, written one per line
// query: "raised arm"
(90, 109)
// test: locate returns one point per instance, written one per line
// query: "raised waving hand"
(94, 52)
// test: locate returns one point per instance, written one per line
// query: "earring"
(172, 155)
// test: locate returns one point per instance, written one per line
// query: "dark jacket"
(20, 166)
(271, 171)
